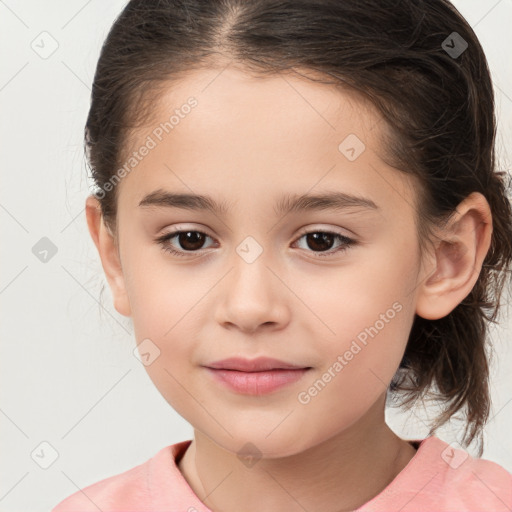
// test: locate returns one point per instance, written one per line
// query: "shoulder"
(483, 483)
(124, 491)
(445, 477)
(118, 490)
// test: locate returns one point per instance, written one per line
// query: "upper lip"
(252, 365)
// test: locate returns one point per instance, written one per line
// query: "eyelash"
(163, 241)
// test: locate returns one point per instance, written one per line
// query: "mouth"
(257, 377)
(260, 364)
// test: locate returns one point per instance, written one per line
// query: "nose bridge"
(250, 261)
(251, 294)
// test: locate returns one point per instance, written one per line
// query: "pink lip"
(256, 376)
(257, 383)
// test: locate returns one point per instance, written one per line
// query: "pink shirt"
(438, 478)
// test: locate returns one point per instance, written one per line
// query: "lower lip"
(257, 383)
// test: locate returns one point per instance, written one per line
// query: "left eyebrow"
(329, 201)
(289, 203)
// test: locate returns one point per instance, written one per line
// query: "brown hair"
(440, 124)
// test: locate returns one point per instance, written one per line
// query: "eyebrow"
(290, 203)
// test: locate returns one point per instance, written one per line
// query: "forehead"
(230, 101)
(248, 134)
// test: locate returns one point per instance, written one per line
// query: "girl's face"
(249, 282)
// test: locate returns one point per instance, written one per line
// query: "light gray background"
(69, 376)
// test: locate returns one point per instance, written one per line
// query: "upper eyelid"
(302, 231)
(334, 231)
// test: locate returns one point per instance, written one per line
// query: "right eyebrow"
(163, 199)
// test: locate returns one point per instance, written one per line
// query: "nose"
(252, 296)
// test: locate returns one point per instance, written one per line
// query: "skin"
(248, 141)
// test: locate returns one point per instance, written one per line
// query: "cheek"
(357, 370)
(373, 287)
(162, 295)
(366, 314)
(167, 309)
(367, 348)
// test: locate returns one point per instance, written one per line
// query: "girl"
(297, 205)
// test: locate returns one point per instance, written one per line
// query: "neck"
(341, 473)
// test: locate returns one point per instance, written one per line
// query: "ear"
(452, 269)
(109, 254)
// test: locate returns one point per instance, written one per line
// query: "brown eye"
(323, 241)
(189, 241)
(320, 241)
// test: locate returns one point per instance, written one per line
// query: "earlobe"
(105, 243)
(454, 267)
